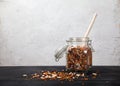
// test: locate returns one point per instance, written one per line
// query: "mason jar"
(78, 53)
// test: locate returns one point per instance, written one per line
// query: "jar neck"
(78, 41)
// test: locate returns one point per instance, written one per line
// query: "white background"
(31, 30)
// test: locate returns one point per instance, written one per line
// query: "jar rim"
(78, 39)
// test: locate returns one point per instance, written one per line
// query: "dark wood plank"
(12, 76)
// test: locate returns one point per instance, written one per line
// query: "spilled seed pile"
(60, 75)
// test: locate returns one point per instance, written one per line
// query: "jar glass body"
(79, 54)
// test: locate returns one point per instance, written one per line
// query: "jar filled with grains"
(78, 54)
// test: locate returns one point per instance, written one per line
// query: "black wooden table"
(12, 76)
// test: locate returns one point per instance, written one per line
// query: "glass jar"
(78, 54)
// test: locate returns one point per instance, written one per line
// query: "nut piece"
(77, 75)
(35, 75)
(24, 75)
(94, 74)
(82, 74)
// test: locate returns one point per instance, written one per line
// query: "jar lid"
(60, 52)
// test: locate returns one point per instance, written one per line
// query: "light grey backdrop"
(31, 30)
